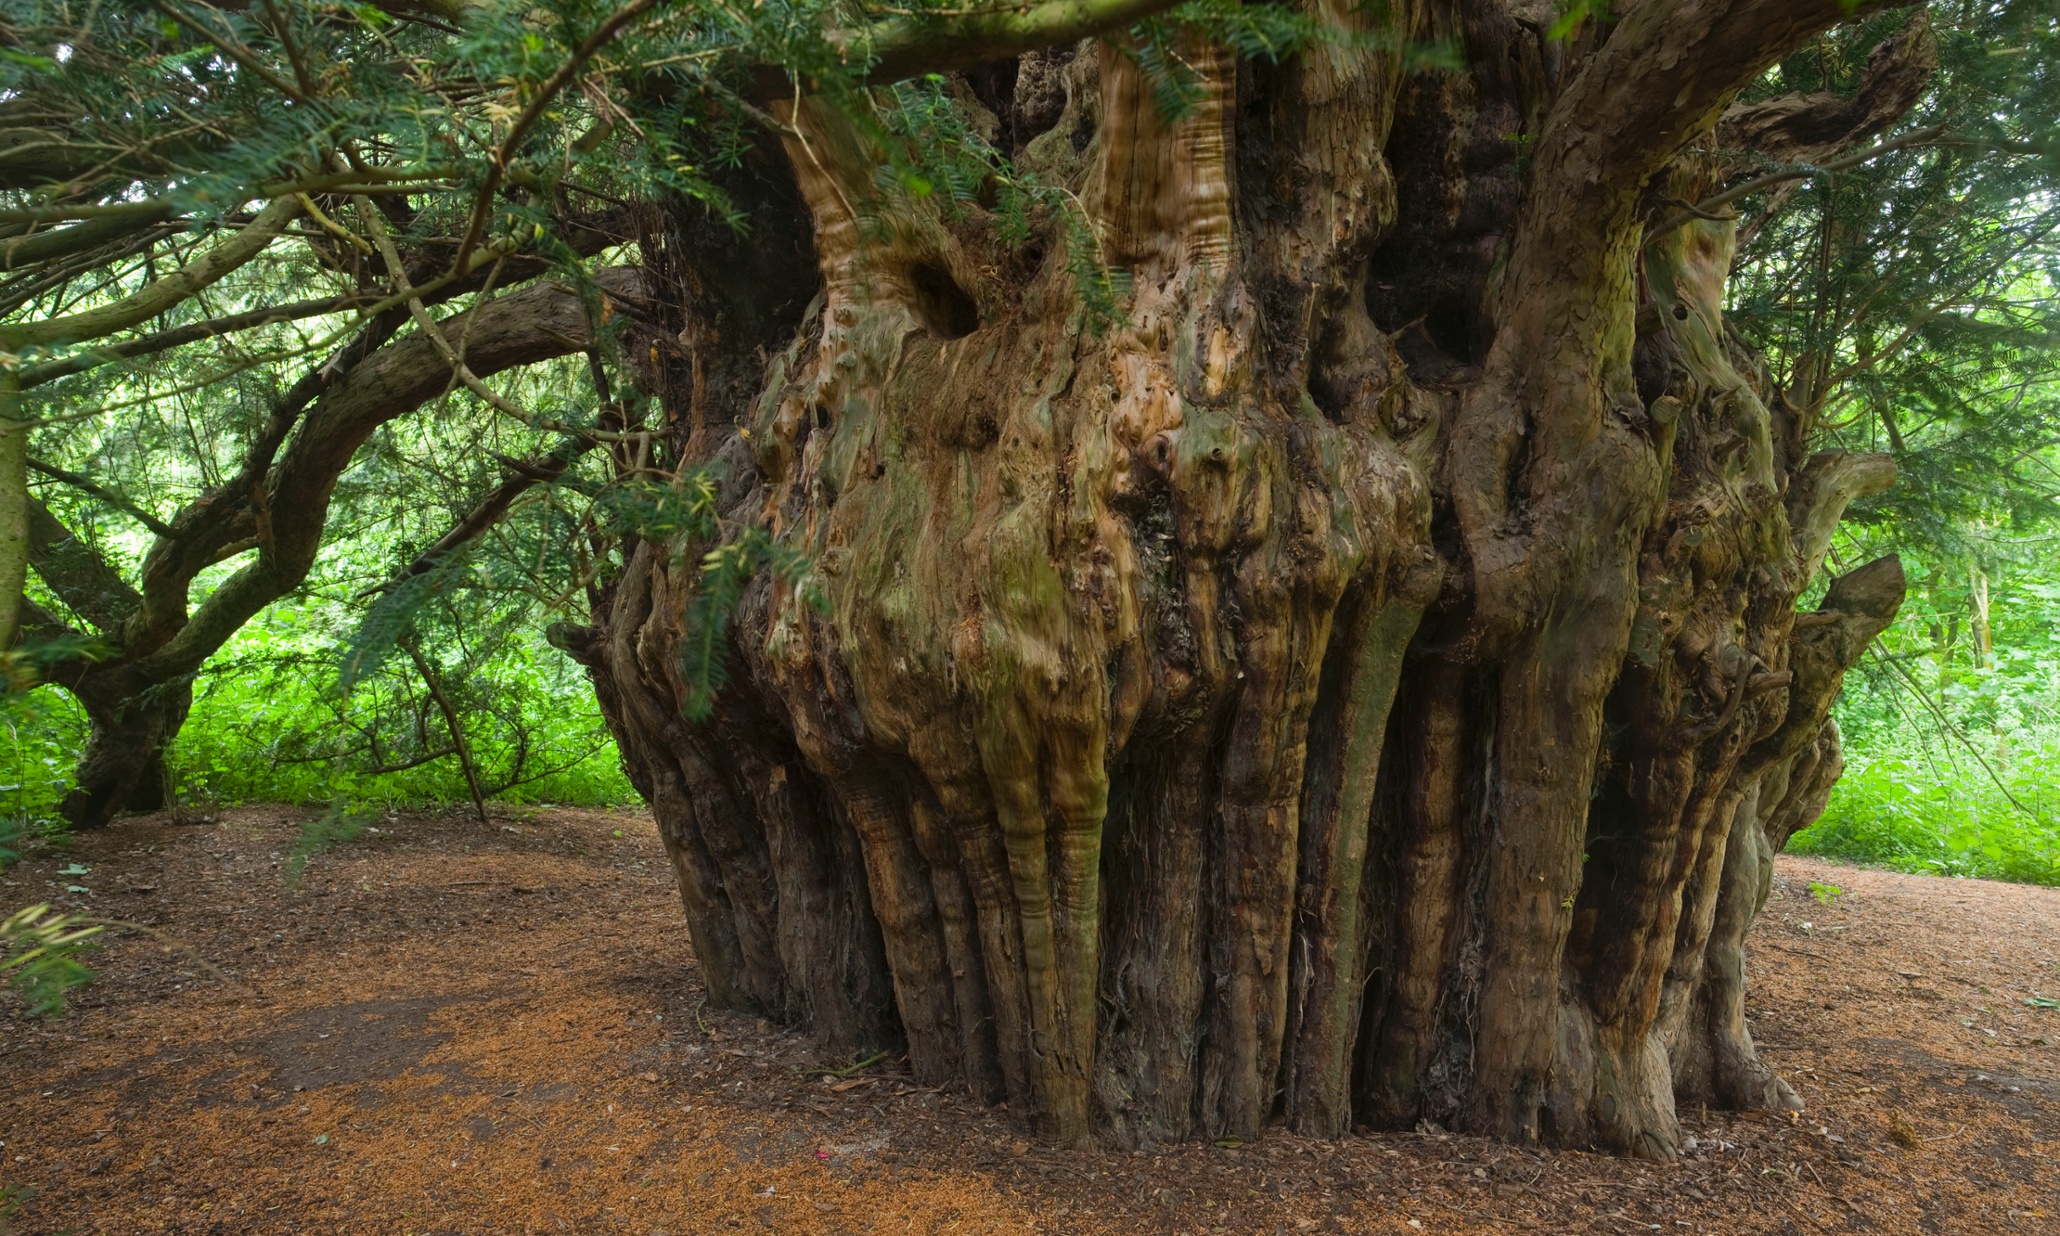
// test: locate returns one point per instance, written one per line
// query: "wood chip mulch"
(450, 1027)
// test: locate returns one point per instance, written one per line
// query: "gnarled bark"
(1346, 688)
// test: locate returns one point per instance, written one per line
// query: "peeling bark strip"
(1360, 685)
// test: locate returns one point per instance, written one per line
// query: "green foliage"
(674, 512)
(1909, 814)
(1266, 33)
(1911, 304)
(1952, 724)
(927, 140)
(44, 734)
(334, 827)
(270, 723)
(39, 955)
(305, 704)
(391, 617)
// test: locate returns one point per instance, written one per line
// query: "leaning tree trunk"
(1351, 686)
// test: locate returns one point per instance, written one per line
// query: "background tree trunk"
(123, 767)
(1358, 685)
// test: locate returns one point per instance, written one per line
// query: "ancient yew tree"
(1355, 678)
(1186, 569)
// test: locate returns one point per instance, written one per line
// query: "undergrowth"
(269, 725)
(1932, 813)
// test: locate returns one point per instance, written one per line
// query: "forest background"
(1922, 282)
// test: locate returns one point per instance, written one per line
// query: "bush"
(1923, 811)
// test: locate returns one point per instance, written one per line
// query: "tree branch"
(1821, 491)
(62, 242)
(86, 484)
(179, 336)
(227, 516)
(433, 679)
(358, 180)
(557, 81)
(909, 46)
(1703, 208)
(235, 51)
(1809, 127)
(81, 578)
(67, 653)
(534, 324)
(154, 298)
(525, 475)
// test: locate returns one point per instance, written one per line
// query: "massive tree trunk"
(1354, 685)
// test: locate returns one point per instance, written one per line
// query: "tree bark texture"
(1359, 685)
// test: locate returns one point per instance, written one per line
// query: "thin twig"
(235, 51)
(846, 1071)
(178, 336)
(556, 82)
(1946, 724)
(86, 484)
(398, 272)
(1703, 209)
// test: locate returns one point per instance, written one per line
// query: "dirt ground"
(450, 1027)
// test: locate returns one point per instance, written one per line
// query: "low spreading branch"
(162, 294)
(1934, 136)
(214, 328)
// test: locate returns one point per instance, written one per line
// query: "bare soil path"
(450, 1027)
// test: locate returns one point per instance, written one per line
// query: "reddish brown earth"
(452, 1027)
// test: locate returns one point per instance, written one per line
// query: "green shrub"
(269, 725)
(1922, 811)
